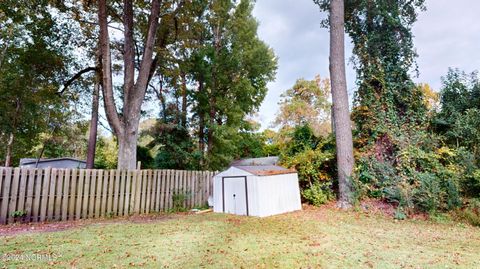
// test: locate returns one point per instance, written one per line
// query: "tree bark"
(201, 127)
(184, 101)
(213, 92)
(8, 155)
(110, 108)
(211, 123)
(343, 132)
(92, 139)
(11, 138)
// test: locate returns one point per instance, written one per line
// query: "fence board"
(45, 194)
(176, 175)
(191, 178)
(195, 182)
(128, 192)
(165, 189)
(175, 186)
(111, 185)
(57, 213)
(91, 195)
(30, 180)
(73, 194)
(103, 208)
(2, 178)
(162, 194)
(210, 176)
(149, 191)
(201, 188)
(5, 195)
(133, 191)
(66, 194)
(37, 194)
(86, 193)
(13, 193)
(194, 186)
(98, 196)
(116, 193)
(171, 189)
(51, 195)
(22, 191)
(153, 197)
(143, 191)
(206, 186)
(158, 195)
(81, 186)
(183, 187)
(187, 189)
(122, 193)
(138, 186)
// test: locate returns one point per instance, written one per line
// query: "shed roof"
(265, 170)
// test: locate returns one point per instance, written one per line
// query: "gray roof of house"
(26, 161)
(265, 170)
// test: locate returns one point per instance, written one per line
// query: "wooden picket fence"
(37, 195)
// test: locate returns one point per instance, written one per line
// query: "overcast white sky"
(446, 35)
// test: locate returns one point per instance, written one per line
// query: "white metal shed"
(256, 190)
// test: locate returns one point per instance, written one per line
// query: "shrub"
(424, 179)
(18, 214)
(318, 194)
(178, 200)
(470, 213)
(471, 184)
(375, 178)
(428, 195)
(314, 159)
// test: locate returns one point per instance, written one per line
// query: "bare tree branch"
(75, 77)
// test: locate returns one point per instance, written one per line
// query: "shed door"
(235, 195)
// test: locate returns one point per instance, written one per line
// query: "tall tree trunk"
(211, 123)
(125, 126)
(201, 133)
(92, 139)
(127, 142)
(8, 155)
(184, 101)
(11, 138)
(201, 127)
(343, 132)
(127, 151)
(213, 102)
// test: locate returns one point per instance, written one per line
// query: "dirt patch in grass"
(378, 207)
(39, 227)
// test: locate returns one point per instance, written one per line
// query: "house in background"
(53, 163)
(256, 161)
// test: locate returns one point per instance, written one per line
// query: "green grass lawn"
(320, 238)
